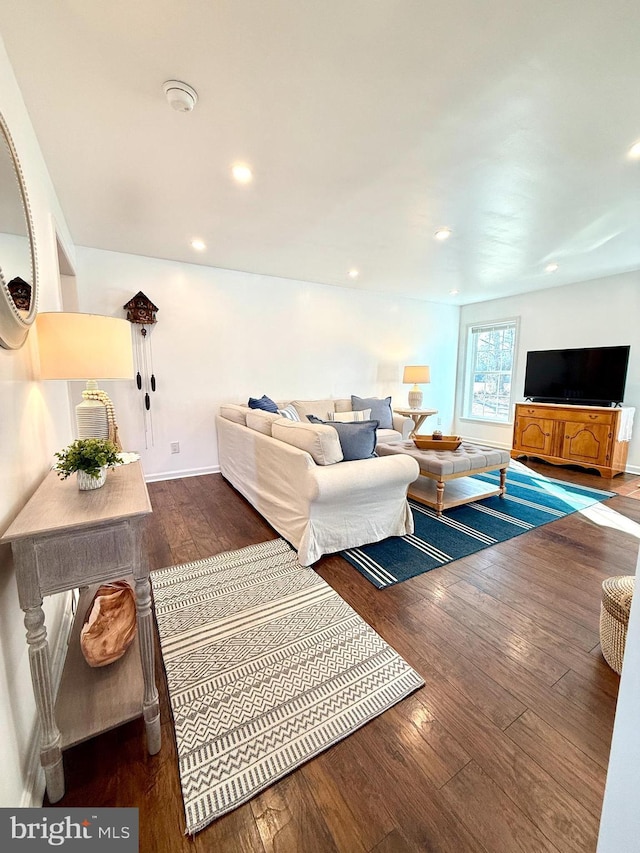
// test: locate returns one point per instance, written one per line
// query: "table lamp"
(416, 374)
(90, 347)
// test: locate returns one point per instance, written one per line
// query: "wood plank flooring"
(505, 748)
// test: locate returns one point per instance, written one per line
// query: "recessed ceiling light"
(354, 273)
(242, 173)
(453, 292)
(198, 245)
(443, 233)
(634, 151)
(551, 267)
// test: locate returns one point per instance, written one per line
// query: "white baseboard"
(34, 785)
(176, 475)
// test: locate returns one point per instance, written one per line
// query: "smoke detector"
(181, 96)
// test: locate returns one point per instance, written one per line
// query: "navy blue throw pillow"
(358, 440)
(380, 409)
(265, 403)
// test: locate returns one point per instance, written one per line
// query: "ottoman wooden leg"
(440, 497)
(503, 482)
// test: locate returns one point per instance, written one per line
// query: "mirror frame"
(14, 327)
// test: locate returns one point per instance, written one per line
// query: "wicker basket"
(614, 617)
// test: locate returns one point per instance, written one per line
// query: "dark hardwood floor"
(505, 748)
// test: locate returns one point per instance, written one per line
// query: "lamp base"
(91, 419)
(415, 398)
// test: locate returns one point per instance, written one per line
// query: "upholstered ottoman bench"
(455, 468)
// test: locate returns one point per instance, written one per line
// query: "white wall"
(34, 421)
(224, 336)
(604, 312)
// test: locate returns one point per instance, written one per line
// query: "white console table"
(65, 539)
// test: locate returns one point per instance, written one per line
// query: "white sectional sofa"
(294, 475)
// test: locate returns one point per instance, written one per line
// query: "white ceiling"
(368, 124)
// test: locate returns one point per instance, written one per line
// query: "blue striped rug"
(531, 501)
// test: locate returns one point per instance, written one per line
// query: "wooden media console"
(571, 435)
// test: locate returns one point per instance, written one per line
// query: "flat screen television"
(592, 376)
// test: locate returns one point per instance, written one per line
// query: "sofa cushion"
(357, 440)
(320, 441)
(319, 408)
(289, 412)
(265, 403)
(234, 412)
(343, 404)
(386, 435)
(350, 417)
(261, 421)
(380, 409)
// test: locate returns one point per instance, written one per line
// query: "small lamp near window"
(90, 347)
(416, 374)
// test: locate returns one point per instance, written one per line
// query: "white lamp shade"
(416, 374)
(84, 346)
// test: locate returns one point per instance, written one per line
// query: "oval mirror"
(18, 268)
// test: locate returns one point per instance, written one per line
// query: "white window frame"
(467, 399)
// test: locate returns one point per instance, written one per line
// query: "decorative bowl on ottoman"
(428, 442)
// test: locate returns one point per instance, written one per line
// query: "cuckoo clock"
(142, 313)
(140, 309)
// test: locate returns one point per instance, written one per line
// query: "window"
(491, 352)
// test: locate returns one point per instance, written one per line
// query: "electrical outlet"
(175, 447)
(439, 421)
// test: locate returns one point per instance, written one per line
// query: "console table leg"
(150, 703)
(40, 665)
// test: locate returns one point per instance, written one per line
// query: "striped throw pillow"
(289, 412)
(349, 417)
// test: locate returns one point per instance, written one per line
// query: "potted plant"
(89, 458)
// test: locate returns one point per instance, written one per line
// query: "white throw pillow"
(349, 417)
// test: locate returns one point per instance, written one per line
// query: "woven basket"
(614, 617)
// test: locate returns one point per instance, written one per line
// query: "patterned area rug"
(531, 501)
(267, 666)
